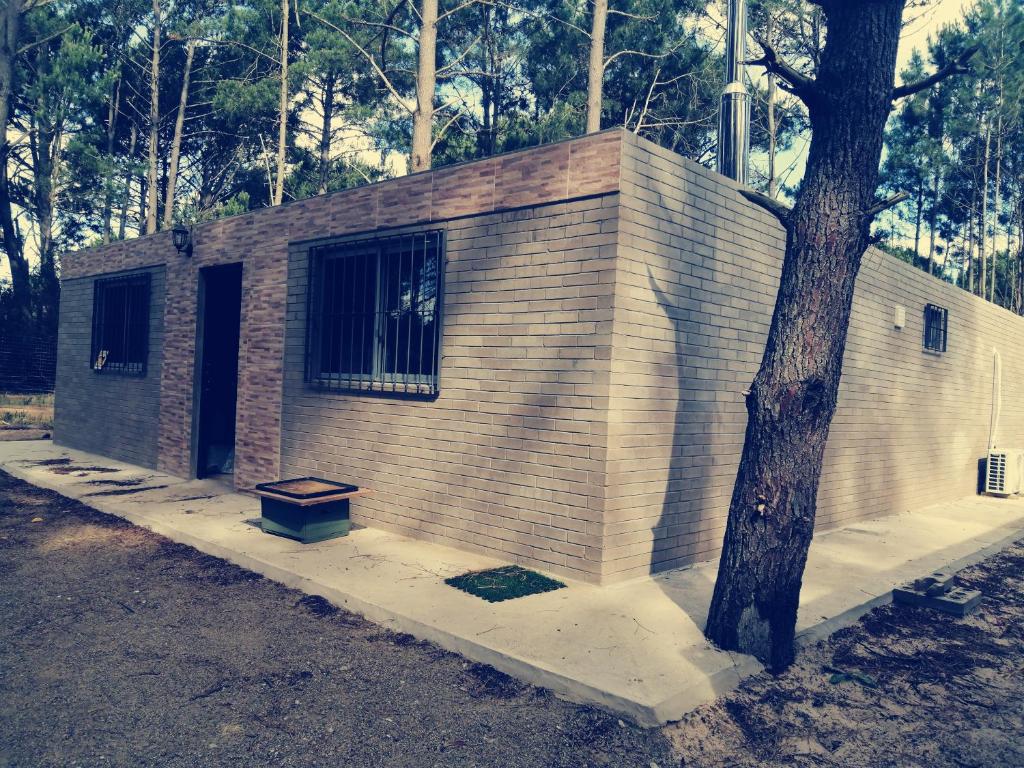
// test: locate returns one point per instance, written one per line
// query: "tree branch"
(886, 204)
(956, 67)
(366, 55)
(779, 210)
(795, 81)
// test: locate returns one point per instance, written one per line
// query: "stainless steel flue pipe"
(734, 114)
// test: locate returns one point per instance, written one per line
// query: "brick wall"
(106, 413)
(698, 270)
(509, 459)
(607, 303)
(581, 168)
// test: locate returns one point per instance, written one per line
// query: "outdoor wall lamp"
(182, 237)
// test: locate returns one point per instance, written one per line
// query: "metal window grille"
(936, 321)
(374, 320)
(120, 324)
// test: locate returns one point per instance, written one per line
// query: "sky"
(921, 23)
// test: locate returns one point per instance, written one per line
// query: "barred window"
(120, 324)
(374, 315)
(935, 327)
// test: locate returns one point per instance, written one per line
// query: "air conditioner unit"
(1004, 472)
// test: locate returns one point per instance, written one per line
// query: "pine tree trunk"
(792, 399)
(282, 117)
(773, 131)
(595, 69)
(932, 222)
(995, 205)
(154, 124)
(113, 111)
(179, 127)
(426, 83)
(10, 28)
(972, 215)
(326, 133)
(983, 224)
(132, 142)
(918, 220)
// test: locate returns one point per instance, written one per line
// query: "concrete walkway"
(635, 648)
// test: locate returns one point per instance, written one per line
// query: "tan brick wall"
(582, 168)
(509, 459)
(606, 304)
(910, 425)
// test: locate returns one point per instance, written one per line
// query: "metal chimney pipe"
(734, 114)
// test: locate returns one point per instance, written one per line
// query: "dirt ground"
(912, 688)
(121, 648)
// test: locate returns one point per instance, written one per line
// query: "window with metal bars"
(374, 322)
(936, 321)
(120, 324)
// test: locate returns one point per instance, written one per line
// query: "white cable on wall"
(997, 397)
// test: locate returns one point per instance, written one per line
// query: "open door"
(220, 314)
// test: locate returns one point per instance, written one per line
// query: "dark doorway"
(220, 297)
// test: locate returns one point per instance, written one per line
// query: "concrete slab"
(635, 648)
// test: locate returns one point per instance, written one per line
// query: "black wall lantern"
(182, 237)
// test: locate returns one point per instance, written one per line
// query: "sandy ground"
(121, 648)
(936, 691)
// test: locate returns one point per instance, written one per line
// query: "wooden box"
(306, 509)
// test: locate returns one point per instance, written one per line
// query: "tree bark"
(932, 220)
(595, 70)
(113, 111)
(792, 399)
(282, 119)
(154, 124)
(983, 224)
(10, 28)
(326, 133)
(997, 201)
(179, 126)
(773, 138)
(132, 141)
(918, 219)
(426, 83)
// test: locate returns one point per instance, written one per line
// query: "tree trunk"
(792, 399)
(426, 83)
(132, 141)
(996, 203)
(44, 142)
(179, 126)
(773, 131)
(773, 139)
(108, 195)
(154, 124)
(10, 27)
(595, 70)
(932, 221)
(918, 220)
(983, 224)
(282, 118)
(326, 132)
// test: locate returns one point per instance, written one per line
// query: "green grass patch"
(506, 583)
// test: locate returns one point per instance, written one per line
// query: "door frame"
(197, 370)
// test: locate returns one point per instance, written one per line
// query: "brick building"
(539, 355)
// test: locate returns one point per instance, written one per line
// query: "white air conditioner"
(1004, 472)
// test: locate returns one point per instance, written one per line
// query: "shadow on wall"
(685, 489)
(899, 429)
